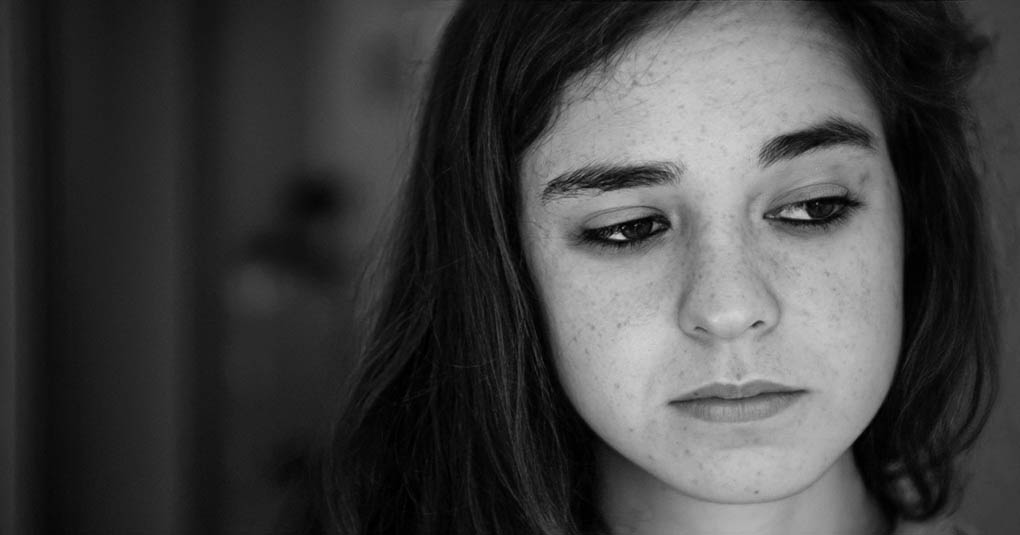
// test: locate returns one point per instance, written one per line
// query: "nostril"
(757, 324)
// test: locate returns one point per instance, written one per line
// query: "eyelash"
(600, 236)
(846, 205)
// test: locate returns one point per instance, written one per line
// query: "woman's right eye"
(626, 234)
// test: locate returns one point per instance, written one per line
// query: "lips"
(732, 403)
(735, 391)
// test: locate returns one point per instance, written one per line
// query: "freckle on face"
(622, 324)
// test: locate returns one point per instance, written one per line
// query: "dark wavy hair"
(456, 422)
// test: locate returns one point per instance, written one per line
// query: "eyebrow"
(601, 178)
(607, 177)
(831, 132)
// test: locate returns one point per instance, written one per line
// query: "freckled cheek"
(856, 320)
(600, 325)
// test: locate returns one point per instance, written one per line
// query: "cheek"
(602, 326)
(851, 310)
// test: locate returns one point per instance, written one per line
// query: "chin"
(743, 493)
(747, 477)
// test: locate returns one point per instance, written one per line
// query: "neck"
(636, 503)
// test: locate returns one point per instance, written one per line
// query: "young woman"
(679, 268)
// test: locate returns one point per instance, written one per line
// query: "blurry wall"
(318, 92)
(117, 339)
(191, 192)
(8, 302)
(100, 226)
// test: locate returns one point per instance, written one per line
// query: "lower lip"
(738, 410)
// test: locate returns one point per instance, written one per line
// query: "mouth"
(732, 403)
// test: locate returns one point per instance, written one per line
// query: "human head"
(665, 223)
(459, 370)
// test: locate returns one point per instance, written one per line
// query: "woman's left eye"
(820, 212)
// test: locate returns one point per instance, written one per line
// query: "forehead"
(724, 79)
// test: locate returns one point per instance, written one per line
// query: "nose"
(726, 295)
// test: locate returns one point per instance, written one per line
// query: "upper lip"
(736, 391)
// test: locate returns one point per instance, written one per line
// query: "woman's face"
(714, 228)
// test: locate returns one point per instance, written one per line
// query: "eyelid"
(616, 216)
(807, 193)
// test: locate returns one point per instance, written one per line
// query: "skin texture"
(722, 293)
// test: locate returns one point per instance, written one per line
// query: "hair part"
(456, 422)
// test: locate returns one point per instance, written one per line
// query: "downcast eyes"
(822, 212)
(816, 214)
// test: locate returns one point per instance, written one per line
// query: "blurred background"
(189, 195)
